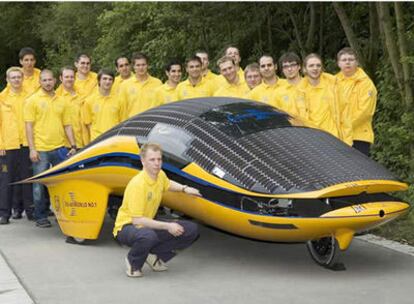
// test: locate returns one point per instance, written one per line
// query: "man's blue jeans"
(47, 160)
(159, 242)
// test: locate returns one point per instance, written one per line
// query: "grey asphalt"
(37, 266)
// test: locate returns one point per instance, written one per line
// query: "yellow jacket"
(12, 128)
(357, 97)
(322, 108)
(291, 99)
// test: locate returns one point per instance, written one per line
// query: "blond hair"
(149, 146)
(225, 59)
(13, 69)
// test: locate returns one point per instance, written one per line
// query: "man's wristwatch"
(74, 147)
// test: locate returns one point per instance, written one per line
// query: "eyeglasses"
(288, 66)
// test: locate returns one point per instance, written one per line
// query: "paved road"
(219, 268)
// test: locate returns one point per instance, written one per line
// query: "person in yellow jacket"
(47, 120)
(195, 85)
(233, 87)
(75, 102)
(14, 152)
(124, 73)
(270, 82)
(319, 89)
(252, 75)
(205, 71)
(289, 97)
(85, 80)
(357, 97)
(168, 91)
(137, 94)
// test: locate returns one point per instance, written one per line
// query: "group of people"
(41, 125)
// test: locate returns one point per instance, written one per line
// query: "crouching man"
(153, 242)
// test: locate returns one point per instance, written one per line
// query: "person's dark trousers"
(23, 193)
(362, 146)
(159, 242)
(5, 202)
(41, 203)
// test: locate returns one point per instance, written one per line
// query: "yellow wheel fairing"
(80, 207)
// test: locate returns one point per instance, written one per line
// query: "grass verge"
(401, 230)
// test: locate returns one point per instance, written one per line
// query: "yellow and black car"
(261, 172)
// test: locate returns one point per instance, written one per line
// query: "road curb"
(396, 246)
(11, 289)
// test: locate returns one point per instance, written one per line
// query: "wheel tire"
(324, 251)
(75, 240)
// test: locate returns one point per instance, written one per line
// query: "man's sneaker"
(131, 273)
(155, 263)
(44, 223)
(17, 215)
(4, 220)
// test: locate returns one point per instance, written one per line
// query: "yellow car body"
(80, 186)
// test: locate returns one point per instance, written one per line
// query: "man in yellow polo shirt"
(270, 82)
(47, 121)
(167, 92)
(357, 97)
(289, 97)
(138, 93)
(195, 85)
(14, 152)
(75, 102)
(27, 59)
(152, 241)
(123, 69)
(85, 79)
(234, 53)
(205, 71)
(103, 109)
(233, 87)
(252, 75)
(319, 89)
